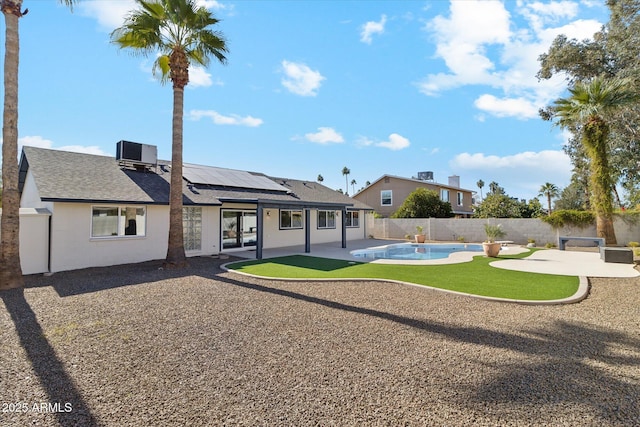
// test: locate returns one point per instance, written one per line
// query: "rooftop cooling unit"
(136, 153)
(425, 176)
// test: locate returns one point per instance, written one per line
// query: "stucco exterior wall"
(34, 240)
(30, 197)
(72, 246)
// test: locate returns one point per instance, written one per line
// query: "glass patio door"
(239, 229)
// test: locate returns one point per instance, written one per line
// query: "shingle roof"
(66, 176)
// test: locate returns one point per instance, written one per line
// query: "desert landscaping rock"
(135, 345)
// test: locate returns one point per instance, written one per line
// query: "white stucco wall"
(74, 248)
(34, 240)
(30, 197)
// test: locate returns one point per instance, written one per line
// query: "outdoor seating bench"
(619, 255)
(505, 242)
(562, 240)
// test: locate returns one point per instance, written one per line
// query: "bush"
(633, 244)
(423, 203)
(580, 219)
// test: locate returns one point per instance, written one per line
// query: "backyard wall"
(518, 230)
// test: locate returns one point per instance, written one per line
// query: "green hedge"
(560, 218)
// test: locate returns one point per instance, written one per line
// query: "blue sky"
(382, 87)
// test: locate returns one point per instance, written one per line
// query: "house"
(387, 193)
(107, 211)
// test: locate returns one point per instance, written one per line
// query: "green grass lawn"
(474, 277)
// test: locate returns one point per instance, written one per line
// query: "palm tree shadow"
(565, 374)
(48, 368)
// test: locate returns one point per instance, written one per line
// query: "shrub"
(493, 232)
(560, 218)
(633, 244)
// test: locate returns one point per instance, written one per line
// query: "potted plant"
(531, 243)
(493, 232)
(420, 236)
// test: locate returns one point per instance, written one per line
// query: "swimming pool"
(416, 251)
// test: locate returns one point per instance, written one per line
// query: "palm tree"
(480, 184)
(10, 268)
(587, 110)
(550, 191)
(320, 178)
(180, 31)
(353, 186)
(346, 172)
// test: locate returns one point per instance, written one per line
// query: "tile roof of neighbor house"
(67, 176)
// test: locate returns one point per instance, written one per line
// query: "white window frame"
(350, 217)
(120, 225)
(292, 213)
(382, 198)
(460, 198)
(192, 228)
(444, 195)
(329, 215)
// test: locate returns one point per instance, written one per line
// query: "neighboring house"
(108, 212)
(387, 193)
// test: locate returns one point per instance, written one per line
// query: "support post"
(259, 231)
(307, 231)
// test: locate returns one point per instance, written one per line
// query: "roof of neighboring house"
(419, 181)
(76, 177)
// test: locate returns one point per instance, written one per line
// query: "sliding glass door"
(239, 228)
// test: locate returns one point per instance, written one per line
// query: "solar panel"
(209, 175)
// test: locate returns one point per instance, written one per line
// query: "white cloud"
(520, 174)
(300, 79)
(481, 45)
(371, 28)
(111, 14)
(219, 119)
(325, 135)
(507, 107)
(396, 142)
(40, 142)
(198, 77)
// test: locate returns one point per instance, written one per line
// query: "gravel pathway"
(138, 346)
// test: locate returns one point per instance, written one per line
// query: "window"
(444, 195)
(386, 198)
(353, 219)
(192, 228)
(326, 219)
(115, 221)
(290, 219)
(460, 198)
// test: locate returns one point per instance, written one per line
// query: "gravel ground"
(138, 346)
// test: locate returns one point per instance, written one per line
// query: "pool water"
(416, 251)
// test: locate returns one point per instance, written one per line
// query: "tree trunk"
(595, 140)
(10, 268)
(175, 251)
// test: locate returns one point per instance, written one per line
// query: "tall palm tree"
(480, 184)
(10, 268)
(353, 186)
(346, 172)
(587, 110)
(550, 191)
(181, 32)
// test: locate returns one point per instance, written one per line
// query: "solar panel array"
(209, 175)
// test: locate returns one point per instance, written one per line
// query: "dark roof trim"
(302, 204)
(121, 202)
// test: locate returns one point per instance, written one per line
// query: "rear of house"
(106, 211)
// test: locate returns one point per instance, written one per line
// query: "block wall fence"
(518, 230)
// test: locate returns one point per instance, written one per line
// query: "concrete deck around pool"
(548, 261)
